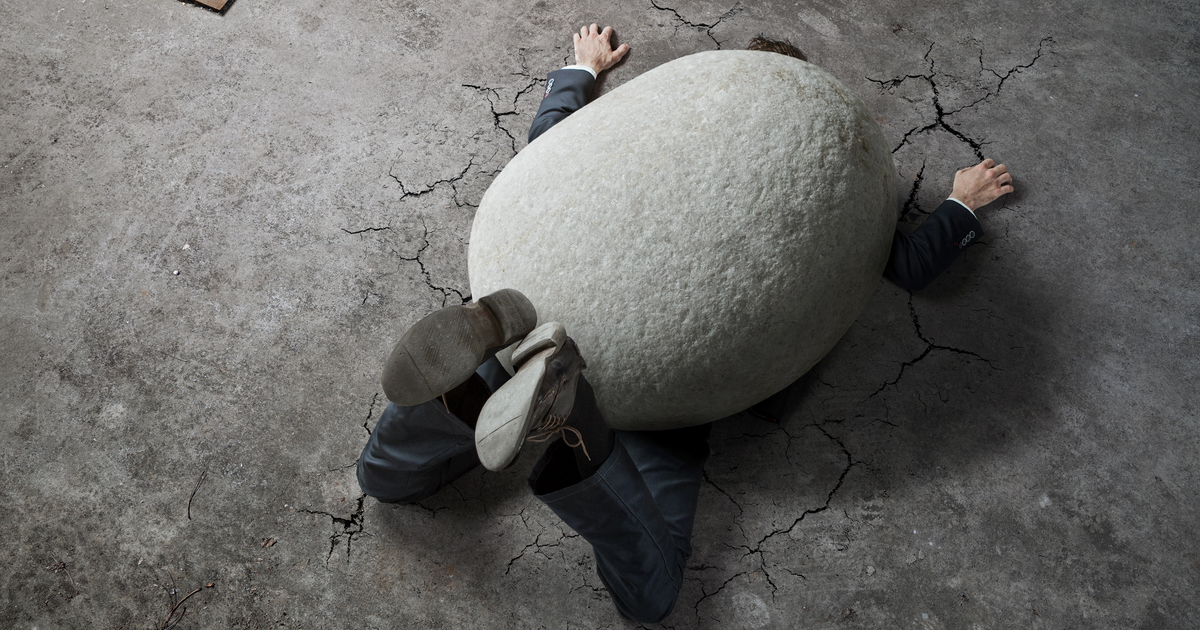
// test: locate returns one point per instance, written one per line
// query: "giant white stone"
(706, 232)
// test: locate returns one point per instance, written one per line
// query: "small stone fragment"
(912, 557)
(870, 570)
(176, 272)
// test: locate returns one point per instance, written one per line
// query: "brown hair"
(770, 45)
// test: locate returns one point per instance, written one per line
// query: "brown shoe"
(448, 345)
(536, 403)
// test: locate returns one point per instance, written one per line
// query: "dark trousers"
(636, 511)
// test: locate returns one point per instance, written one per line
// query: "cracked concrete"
(1013, 446)
(930, 346)
(706, 7)
(463, 298)
(343, 528)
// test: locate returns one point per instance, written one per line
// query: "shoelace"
(556, 426)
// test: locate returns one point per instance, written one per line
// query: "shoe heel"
(514, 313)
(548, 335)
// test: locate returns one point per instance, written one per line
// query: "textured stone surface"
(1014, 446)
(706, 232)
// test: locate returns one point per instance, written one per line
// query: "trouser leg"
(672, 465)
(637, 512)
(493, 373)
(415, 451)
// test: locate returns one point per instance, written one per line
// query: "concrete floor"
(1013, 447)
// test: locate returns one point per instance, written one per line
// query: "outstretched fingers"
(593, 48)
(619, 53)
(1005, 183)
(1003, 178)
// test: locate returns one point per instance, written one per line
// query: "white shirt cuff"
(963, 205)
(581, 67)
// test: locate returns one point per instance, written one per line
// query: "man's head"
(771, 45)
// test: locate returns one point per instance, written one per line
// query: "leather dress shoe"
(536, 404)
(442, 350)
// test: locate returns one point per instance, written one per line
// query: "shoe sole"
(442, 350)
(506, 417)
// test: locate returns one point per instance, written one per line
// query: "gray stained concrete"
(1011, 448)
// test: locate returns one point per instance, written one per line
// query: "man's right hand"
(982, 184)
(592, 48)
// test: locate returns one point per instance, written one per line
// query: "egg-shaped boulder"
(706, 232)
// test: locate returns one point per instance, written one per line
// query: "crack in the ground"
(596, 590)
(406, 193)
(891, 84)
(794, 574)
(445, 291)
(350, 527)
(884, 421)
(493, 96)
(1018, 69)
(368, 229)
(787, 449)
(539, 546)
(433, 512)
(370, 412)
(521, 53)
(850, 464)
(367, 296)
(741, 512)
(931, 77)
(758, 548)
(455, 192)
(704, 594)
(707, 28)
(767, 574)
(824, 382)
(911, 203)
(930, 346)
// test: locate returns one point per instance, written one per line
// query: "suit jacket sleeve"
(566, 92)
(918, 258)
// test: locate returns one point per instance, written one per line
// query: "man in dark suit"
(631, 494)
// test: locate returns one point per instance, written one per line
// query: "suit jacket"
(916, 259)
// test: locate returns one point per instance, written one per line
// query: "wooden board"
(214, 4)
